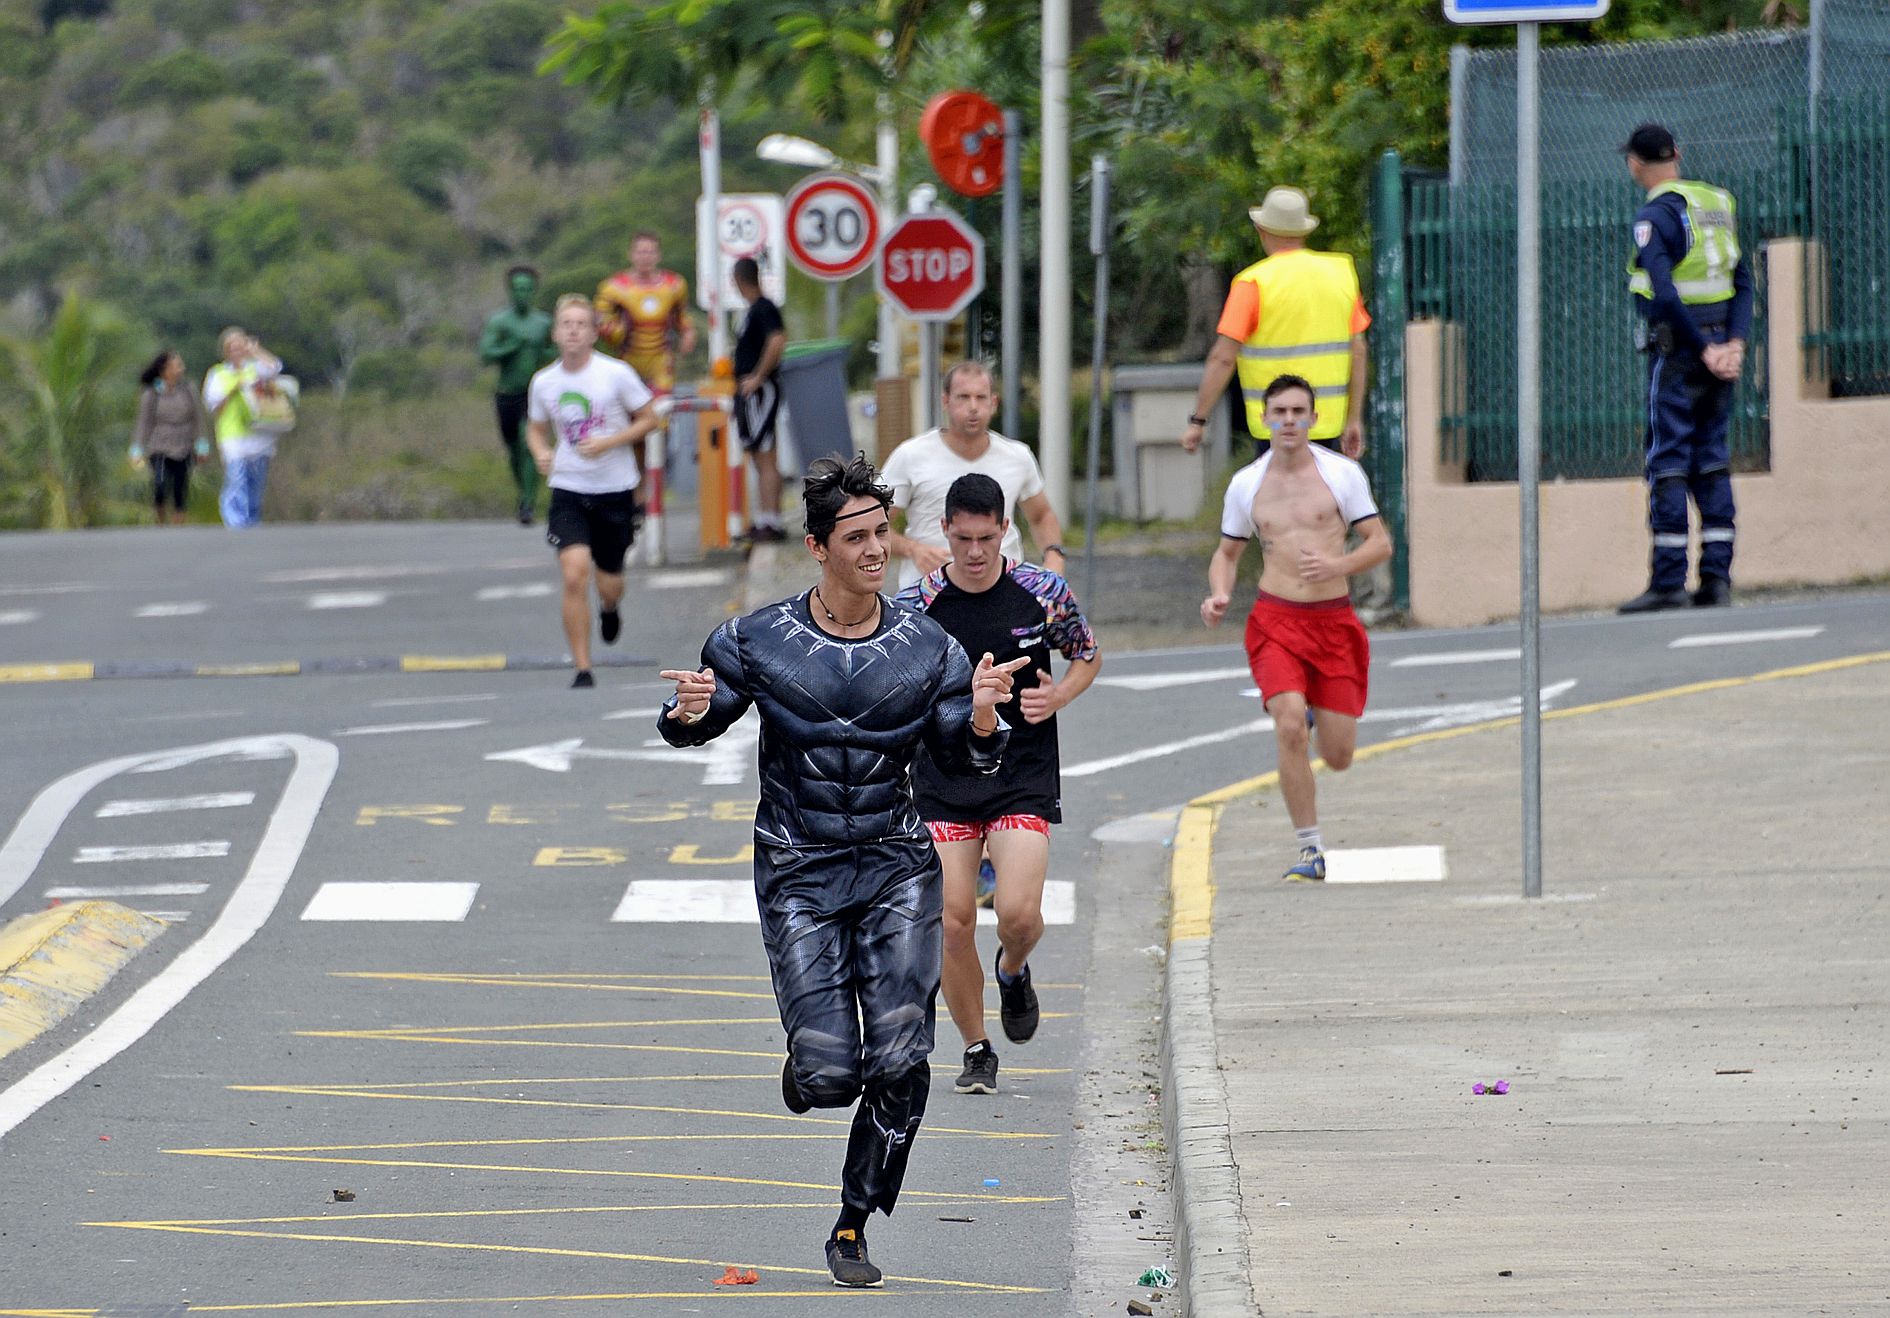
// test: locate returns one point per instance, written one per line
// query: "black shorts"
(169, 476)
(605, 522)
(755, 416)
(511, 409)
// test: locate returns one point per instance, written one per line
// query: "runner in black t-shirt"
(758, 349)
(1011, 610)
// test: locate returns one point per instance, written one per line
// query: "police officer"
(1694, 293)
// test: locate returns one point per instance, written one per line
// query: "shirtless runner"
(1307, 648)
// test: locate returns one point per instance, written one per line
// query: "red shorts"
(954, 832)
(1319, 650)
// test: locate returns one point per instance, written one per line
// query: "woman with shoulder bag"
(172, 433)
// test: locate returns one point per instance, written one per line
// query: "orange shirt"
(1240, 317)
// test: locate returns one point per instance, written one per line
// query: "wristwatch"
(1194, 420)
(1055, 549)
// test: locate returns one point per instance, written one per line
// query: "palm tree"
(65, 400)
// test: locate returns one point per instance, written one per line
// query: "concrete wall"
(1821, 515)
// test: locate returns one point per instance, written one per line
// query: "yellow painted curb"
(52, 961)
(1191, 871)
(446, 663)
(45, 672)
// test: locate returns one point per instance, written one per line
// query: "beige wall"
(1821, 515)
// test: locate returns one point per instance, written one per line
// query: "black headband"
(876, 508)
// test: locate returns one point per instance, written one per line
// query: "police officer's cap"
(1651, 142)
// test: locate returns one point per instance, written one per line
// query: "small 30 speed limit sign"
(832, 226)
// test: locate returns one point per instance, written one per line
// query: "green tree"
(68, 398)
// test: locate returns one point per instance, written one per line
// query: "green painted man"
(518, 341)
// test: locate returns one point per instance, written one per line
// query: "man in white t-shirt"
(1306, 647)
(923, 468)
(588, 416)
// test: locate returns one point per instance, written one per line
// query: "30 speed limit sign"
(832, 226)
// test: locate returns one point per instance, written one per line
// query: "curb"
(53, 960)
(1210, 1226)
(82, 671)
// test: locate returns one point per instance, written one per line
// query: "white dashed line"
(116, 892)
(347, 599)
(651, 712)
(162, 805)
(167, 851)
(535, 590)
(1159, 681)
(383, 572)
(59, 588)
(1744, 638)
(391, 901)
(13, 617)
(402, 702)
(444, 725)
(181, 609)
(732, 901)
(1455, 657)
(688, 580)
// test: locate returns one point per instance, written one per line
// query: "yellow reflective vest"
(1705, 274)
(1304, 329)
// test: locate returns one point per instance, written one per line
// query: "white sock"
(1309, 837)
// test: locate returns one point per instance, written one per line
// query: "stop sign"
(931, 265)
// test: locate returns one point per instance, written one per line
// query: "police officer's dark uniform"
(1692, 288)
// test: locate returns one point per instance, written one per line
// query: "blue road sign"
(1523, 11)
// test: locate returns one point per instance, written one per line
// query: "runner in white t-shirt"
(923, 468)
(588, 417)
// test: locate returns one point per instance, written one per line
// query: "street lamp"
(786, 149)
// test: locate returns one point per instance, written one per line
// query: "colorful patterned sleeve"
(1065, 627)
(920, 594)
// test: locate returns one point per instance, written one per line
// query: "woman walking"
(173, 431)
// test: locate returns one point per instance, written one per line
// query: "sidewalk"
(1694, 1022)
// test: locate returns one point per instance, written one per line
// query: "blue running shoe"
(1311, 867)
(987, 882)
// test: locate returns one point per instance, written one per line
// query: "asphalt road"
(457, 1002)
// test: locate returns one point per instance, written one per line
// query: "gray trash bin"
(814, 391)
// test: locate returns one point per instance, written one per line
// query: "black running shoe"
(609, 625)
(846, 1259)
(583, 679)
(790, 1092)
(1017, 1004)
(980, 1073)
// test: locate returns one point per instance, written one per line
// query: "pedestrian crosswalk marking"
(391, 901)
(159, 805)
(732, 901)
(167, 851)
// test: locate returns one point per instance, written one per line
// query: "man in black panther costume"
(849, 685)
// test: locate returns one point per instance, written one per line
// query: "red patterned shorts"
(945, 831)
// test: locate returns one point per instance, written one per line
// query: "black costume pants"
(854, 938)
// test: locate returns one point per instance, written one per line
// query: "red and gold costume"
(636, 319)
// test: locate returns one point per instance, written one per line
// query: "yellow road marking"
(918, 1199)
(549, 1251)
(388, 1086)
(1190, 878)
(774, 1054)
(45, 672)
(448, 663)
(539, 981)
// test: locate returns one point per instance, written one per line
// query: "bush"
(423, 158)
(180, 79)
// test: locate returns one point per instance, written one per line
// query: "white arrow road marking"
(535, 590)
(114, 892)
(347, 599)
(1158, 681)
(442, 725)
(248, 907)
(1745, 638)
(167, 851)
(1444, 657)
(159, 805)
(1433, 716)
(181, 609)
(724, 761)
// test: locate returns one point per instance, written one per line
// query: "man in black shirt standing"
(758, 349)
(1011, 610)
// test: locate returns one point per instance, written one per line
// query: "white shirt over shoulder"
(923, 468)
(578, 405)
(1344, 477)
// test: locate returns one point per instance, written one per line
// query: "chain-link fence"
(1796, 124)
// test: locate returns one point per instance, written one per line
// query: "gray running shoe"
(980, 1073)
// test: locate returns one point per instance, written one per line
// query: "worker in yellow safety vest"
(1297, 312)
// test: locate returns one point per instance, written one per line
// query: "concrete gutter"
(53, 960)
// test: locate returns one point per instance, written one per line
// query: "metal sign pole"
(1011, 331)
(1529, 438)
(1099, 248)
